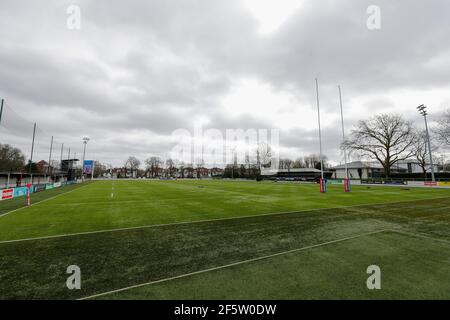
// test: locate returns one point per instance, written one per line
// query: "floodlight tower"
(85, 142)
(423, 111)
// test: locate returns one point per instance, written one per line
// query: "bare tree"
(11, 159)
(133, 164)
(190, 170)
(386, 138)
(198, 167)
(99, 169)
(299, 163)
(181, 168)
(286, 164)
(258, 158)
(170, 166)
(420, 150)
(234, 166)
(443, 129)
(248, 163)
(313, 161)
(264, 155)
(153, 164)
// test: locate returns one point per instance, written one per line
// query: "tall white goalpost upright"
(323, 184)
(346, 180)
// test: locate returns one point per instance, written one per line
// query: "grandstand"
(302, 174)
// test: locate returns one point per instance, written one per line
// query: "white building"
(359, 170)
(373, 169)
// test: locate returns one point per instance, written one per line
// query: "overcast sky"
(138, 70)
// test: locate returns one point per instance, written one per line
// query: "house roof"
(360, 165)
(269, 171)
(299, 170)
(373, 164)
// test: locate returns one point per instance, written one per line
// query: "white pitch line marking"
(419, 235)
(234, 264)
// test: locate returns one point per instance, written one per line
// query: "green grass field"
(226, 240)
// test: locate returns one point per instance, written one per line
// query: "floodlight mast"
(85, 142)
(423, 111)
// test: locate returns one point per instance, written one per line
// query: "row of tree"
(154, 166)
(311, 162)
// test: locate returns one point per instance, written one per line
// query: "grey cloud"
(155, 66)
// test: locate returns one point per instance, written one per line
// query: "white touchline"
(419, 235)
(234, 264)
(22, 208)
(206, 220)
